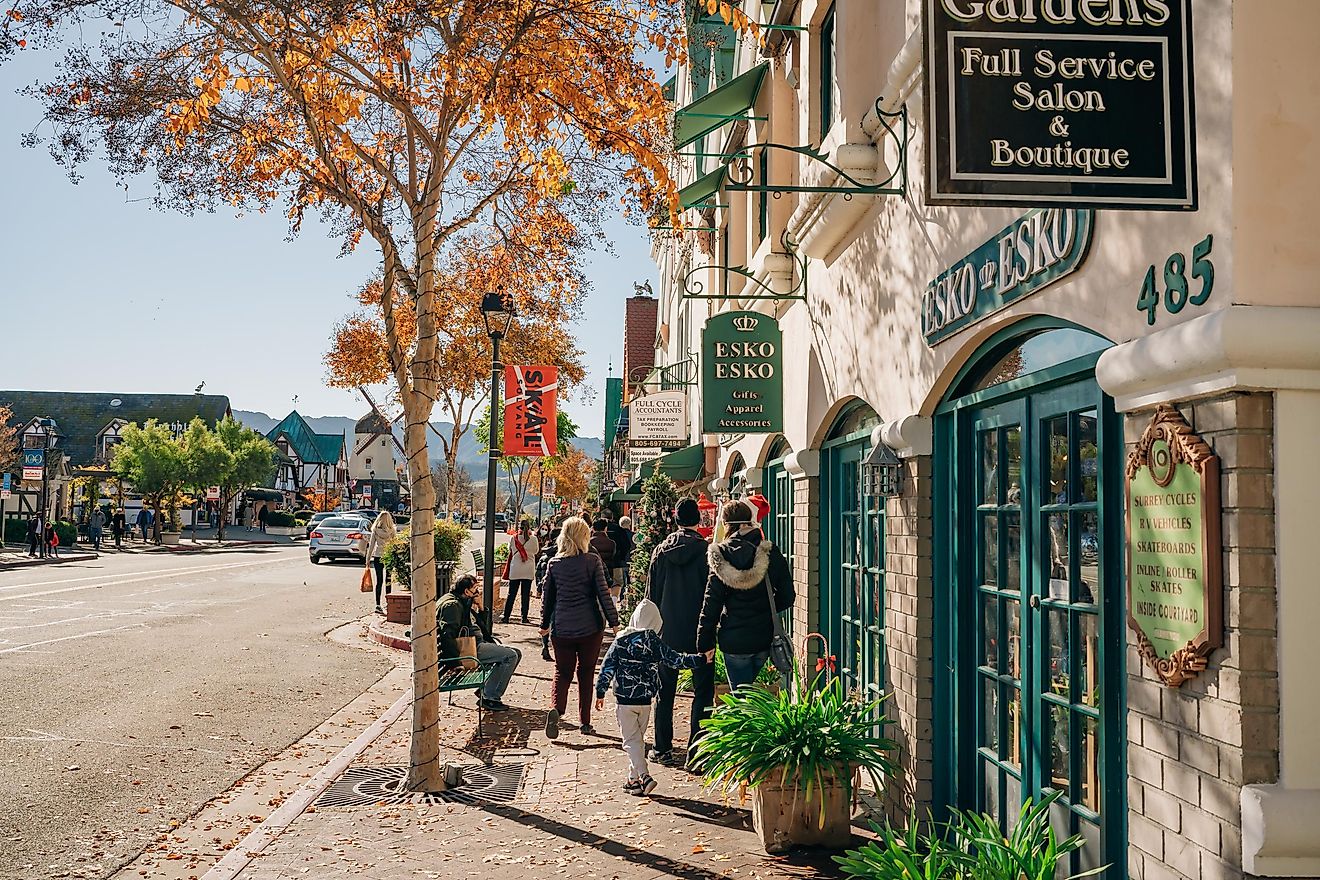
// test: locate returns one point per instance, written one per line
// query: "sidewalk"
(531, 807)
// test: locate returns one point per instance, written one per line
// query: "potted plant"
(279, 522)
(969, 845)
(801, 753)
(449, 538)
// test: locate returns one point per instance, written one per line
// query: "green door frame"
(778, 488)
(955, 654)
(835, 456)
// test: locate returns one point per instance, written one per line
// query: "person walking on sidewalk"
(548, 548)
(143, 522)
(52, 540)
(34, 534)
(95, 526)
(633, 664)
(263, 514)
(676, 583)
(575, 609)
(459, 614)
(522, 569)
(605, 547)
(118, 522)
(735, 611)
(382, 532)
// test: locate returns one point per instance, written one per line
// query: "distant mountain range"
(470, 456)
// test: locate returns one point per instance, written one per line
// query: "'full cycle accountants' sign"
(742, 375)
(1175, 592)
(1078, 102)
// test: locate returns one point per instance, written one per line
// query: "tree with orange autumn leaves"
(407, 123)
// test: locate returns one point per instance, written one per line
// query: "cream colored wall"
(1276, 136)
(862, 317)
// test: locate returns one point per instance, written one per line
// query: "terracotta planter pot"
(170, 539)
(398, 607)
(783, 816)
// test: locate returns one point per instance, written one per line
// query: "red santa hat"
(762, 505)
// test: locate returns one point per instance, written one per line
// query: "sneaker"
(552, 724)
(494, 705)
(525, 621)
(645, 786)
(665, 758)
(587, 730)
(380, 610)
(632, 786)
(545, 655)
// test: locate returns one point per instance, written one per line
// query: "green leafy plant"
(280, 519)
(450, 539)
(501, 553)
(970, 846)
(653, 521)
(804, 736)
(767, 677)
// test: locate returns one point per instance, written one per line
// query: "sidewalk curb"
(59, 560)
(265, 834)
(390, 641)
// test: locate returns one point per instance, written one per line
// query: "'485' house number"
(1177, 291)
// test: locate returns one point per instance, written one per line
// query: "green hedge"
(16, 531)
(450, 538)
(280, 518)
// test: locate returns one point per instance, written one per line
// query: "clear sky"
(103, 292)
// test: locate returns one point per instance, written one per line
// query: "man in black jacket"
(677, 579)
(459, 613)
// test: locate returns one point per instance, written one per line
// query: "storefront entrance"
(1031, 621)
(852, 576)
(778, 523)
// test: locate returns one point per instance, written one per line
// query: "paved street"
(135, 688)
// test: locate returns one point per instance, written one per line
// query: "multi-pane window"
(829, 85)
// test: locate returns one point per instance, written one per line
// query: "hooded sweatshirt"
(736, 607)
(677, 582)
(634, 659)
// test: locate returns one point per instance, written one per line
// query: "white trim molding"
(909, 436)
(803, 464)
(1240, 347)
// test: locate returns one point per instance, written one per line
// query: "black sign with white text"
(1085, 103)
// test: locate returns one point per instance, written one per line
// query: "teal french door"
(1033, 615)
(779, 521)
(852, 567)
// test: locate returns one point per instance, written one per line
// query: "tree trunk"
(424, 770)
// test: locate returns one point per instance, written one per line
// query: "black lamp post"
(497, 312)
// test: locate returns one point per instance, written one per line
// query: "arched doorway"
(1029, 597)
(852, 559)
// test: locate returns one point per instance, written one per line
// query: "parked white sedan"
(339, 537)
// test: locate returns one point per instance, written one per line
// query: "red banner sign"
(530, 416)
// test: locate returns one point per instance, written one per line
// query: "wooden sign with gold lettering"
(1174, 572)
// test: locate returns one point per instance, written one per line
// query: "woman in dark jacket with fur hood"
(735, 612)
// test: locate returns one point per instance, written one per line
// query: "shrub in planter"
(970, 846)
(281, 519)
(450, 537)
(67, 531)
(801, 752)
(767, 678)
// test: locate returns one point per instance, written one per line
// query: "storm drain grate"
(370, 786)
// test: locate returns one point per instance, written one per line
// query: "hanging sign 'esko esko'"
(1060, 102)
(1175, 585)
(742, 374)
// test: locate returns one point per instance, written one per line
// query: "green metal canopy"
(700, 190)
(682, 466)
(621, 495)
(728, 102)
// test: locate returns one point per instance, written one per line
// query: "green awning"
(730, 101)
(669, 89)
(699, 191)
(619, 496)
(682, 466)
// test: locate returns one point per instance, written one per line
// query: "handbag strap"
(774, 611)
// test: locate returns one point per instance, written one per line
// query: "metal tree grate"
(384, 785)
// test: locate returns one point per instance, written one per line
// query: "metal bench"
(459, 678)
(478, 562)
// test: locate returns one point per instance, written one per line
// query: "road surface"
(136, 688)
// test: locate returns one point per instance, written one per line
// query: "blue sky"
(103, 292)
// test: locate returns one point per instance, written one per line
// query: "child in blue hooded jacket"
(633, 664)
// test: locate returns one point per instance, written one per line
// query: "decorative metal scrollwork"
(742, 173)
(694, 288)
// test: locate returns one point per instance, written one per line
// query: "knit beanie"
(687, 513)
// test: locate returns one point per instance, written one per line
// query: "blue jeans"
(506, 660)
(744, 668)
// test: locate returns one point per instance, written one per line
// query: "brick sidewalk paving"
(567, 816)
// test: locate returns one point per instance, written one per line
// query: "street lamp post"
(497, 312)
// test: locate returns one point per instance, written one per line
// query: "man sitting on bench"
(459, 614)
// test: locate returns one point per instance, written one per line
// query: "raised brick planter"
(398, 607)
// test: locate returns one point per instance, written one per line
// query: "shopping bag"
(467, 649)
(366, 580)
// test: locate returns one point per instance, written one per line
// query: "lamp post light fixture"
(497, 312)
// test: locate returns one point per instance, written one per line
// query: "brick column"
(804, 468)
(1192, 749)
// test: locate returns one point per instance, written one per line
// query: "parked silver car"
(339, 537)
(316, 520)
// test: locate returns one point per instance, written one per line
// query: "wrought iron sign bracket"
(694, 288)
(686, 369)
(895, 124)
